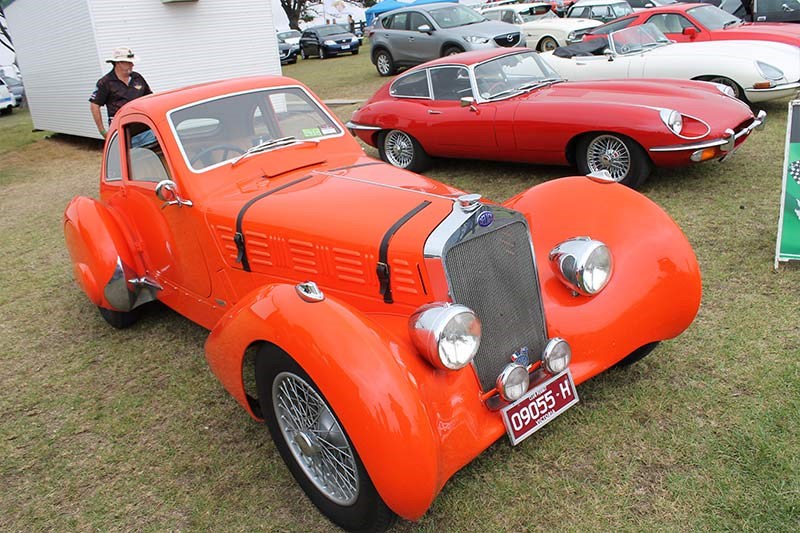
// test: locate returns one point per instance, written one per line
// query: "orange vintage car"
(393, 327)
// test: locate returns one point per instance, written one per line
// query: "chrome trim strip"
(777, 88)
(356, 126)
(757, 122)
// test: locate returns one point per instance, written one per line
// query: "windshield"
(713, 17)
(333, 29)
(455, 15)
(536, 13)
(637, 39)
(210, 133)
(511, 74)
(293, 34)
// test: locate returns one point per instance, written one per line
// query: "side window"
(412, 86)
(113, 164)
(450, 83)
(415, 20)
(399, 21)
(386, 22)
(508, 16)
(145, 156)
(492, 15)
(669, 22)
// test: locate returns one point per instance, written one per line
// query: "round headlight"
(556, 355)
(768, 71)
(513, 382)
(582, 264)
(673, 120)
(448, 335)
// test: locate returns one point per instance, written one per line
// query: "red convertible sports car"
(510, 105)
(701, 22)
(387, 328)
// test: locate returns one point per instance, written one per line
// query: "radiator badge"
(485, 219)
(522, 357)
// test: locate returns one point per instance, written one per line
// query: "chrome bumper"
(776, 89)
(725, 143)
(352, 126)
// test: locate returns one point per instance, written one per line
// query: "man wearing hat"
(118, 87)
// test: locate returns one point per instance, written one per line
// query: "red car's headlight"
(448, 335)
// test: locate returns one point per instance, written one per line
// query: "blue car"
(328, 41)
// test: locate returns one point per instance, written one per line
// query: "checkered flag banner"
(794, 171)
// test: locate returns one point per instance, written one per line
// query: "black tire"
(738, 92)
(402, 150)
(303, 53)
(119, 319)
(279, 377)
(355, 52)
(638, 354)
(547, 44)
(6, 111)
(322, 54)
(452, 50)
(384, 63)
(621, 156)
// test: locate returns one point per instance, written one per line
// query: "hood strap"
(238, 237)
(384, 273)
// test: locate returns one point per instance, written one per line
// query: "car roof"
(515, 7)
(471, 58)
(420, 7)
(597, 2)
(158, 104)
(676, 7)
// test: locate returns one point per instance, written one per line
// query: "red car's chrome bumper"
(723, 144)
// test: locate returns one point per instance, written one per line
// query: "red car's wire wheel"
(399, 148)
(607, 152)
(315, 438)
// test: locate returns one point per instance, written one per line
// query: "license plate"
(345, 47)
(539, 406)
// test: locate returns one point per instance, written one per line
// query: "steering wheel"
(224, 148)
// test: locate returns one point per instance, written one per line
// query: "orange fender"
(358, 366)
(99, 250)
(655, 289)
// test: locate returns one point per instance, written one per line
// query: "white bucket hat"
(122, 53)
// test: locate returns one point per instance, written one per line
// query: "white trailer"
(62, 46)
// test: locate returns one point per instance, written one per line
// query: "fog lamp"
(703, 155)
(513, 382)
(556, 355)
(448, 335)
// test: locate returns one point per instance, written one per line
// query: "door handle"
(434, 112)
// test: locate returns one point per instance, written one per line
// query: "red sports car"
(701, 22)
(510, 105)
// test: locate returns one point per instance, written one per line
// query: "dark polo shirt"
(113, 93)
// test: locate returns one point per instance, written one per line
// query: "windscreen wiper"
(270, 145)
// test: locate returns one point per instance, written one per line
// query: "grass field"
(128, 430)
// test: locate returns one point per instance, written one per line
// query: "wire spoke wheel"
(399, 148)
(315, 438)
(607, 152)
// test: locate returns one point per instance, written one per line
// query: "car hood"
(784, 56)
(749, 30)
(328, 225)
(689, 97)
(487, 28)
(566, 24)
(338, 36)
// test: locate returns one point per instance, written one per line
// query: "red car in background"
(701, 22)
(510, 105)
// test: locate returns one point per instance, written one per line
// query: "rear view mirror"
(424, 28)
(609, 54)
(690, 32)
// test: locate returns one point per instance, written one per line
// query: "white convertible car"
(754, 70)
(543, 29)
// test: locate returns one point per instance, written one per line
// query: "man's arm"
(98, 118)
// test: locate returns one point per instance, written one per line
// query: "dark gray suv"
(412, 35)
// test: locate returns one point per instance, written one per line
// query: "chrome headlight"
(582, 264)
(556, 355)
(329, 43)
(475, 39)
(513, 382)
(672, 119)
(448, 335)
(768, 71)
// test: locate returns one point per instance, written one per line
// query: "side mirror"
(424, 28)
(609, 54)
(167, 191)
(690, 32)
(649, 4)
(468, 101)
